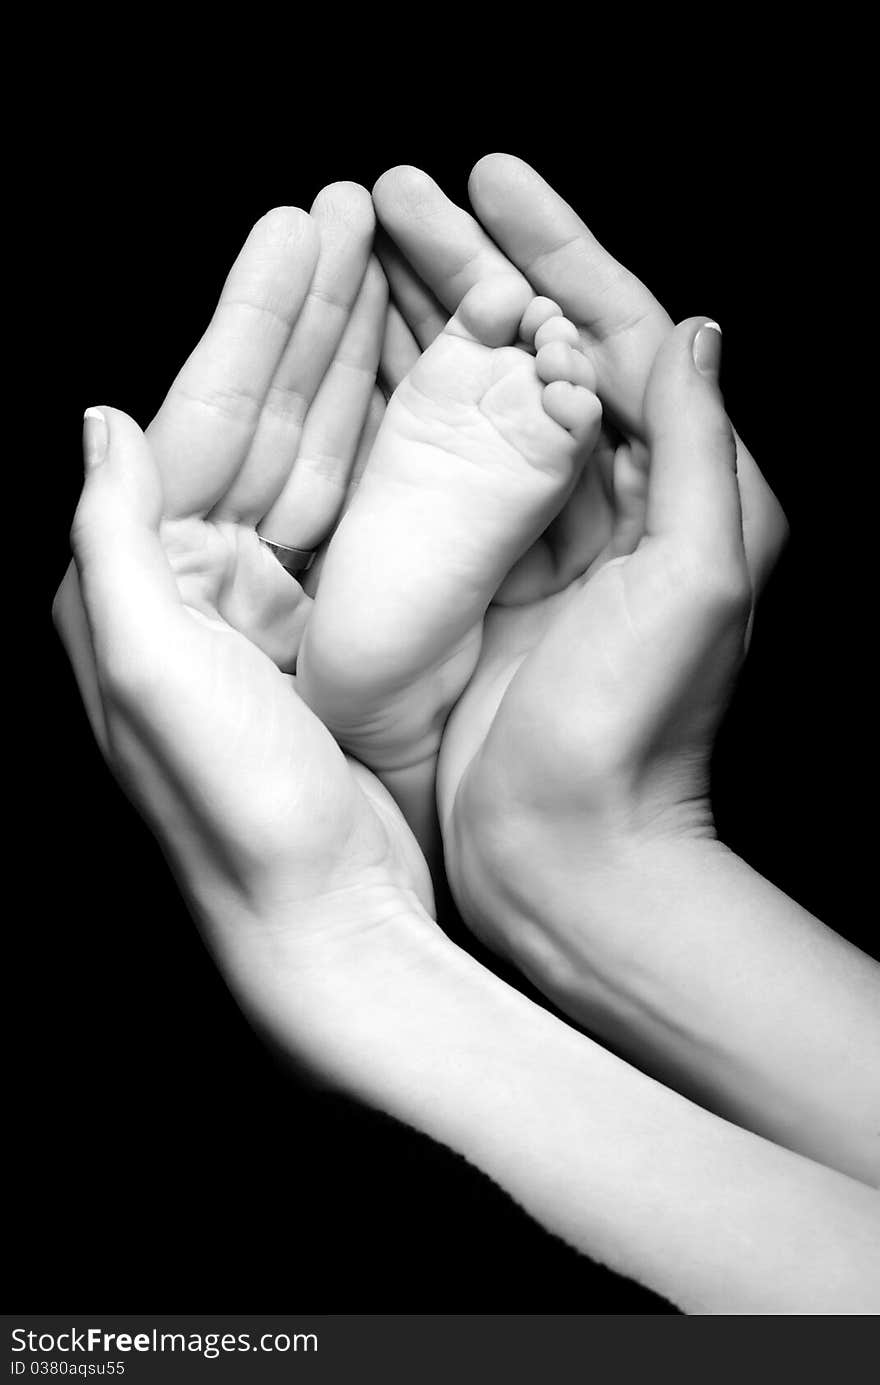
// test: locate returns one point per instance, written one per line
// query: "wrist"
(512, 825)
(314, 973)
(563, 890)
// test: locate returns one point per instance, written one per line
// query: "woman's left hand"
(179, 623)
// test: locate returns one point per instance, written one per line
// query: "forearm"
(715, 1218)
(701, 970)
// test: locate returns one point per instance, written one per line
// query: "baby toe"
(539, 311)
(557, 328)
(490, 310)
(555, 361)
(574, 408)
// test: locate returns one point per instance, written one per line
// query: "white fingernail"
(707, 349)
(95, 438)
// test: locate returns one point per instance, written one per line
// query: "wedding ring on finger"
(293, 560)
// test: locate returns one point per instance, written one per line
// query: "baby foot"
(479, 449)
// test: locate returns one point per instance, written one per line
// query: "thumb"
(127, 587)
(693, 495)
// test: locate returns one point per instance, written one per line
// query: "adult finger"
(400, 350)
(344, 215)
(546, 239)
(129, 595)
(202, 433)
(173, 684)
(693, 499)
(69, 617)
(447, 248)
(313, 495)
(765, 527)
(561, 257)
(369, 432)
(419, 308)
(554, 249)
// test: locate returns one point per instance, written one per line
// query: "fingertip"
(287, 228)
(706, 349)
(282, 222)
(114, 416)
(95, 436)
(683, 337)
(685, 372)
(105, 432)
(125, 476)
(496, 170)
(402, 191)
(347, 203)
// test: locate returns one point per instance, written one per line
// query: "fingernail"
(95, 438)
(707, 349)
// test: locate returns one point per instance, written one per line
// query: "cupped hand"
(180, 624)
(265, 424)
(600, 740)
(604, 563)
(248, 791)
(434, 251)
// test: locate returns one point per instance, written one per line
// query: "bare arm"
(713, 1217)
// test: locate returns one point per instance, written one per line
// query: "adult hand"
(316, 903)
(574, 771)
(603, 734)
(185, 620)
(436, 253)
(265, 424)
(302, 872)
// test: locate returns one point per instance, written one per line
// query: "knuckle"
(61, 610)
(85, 529)
(131, 675)
(779, 528)
(81, 523)
(121, 675)
(697, 576)
(227, 402)
(720, 584)
(719, 437)
(58, 617)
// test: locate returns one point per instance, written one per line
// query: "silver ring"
(293, 560)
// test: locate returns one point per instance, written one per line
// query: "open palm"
(260, 433)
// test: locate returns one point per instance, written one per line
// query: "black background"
(160, 1157)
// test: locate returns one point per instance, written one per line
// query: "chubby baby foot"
(480, 447)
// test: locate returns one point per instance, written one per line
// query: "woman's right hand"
(573, 781)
